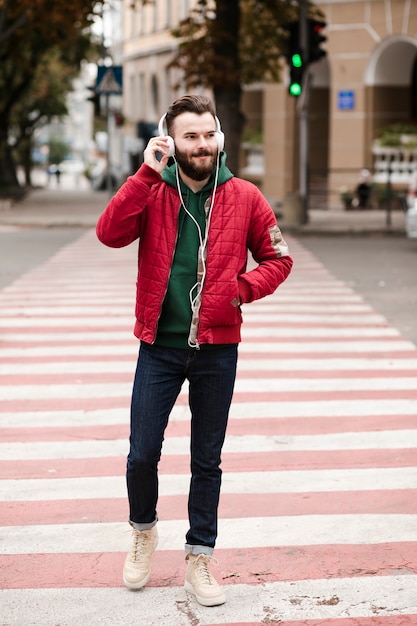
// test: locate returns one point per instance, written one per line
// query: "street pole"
(303, 113)
(108, 173)
(388, 196)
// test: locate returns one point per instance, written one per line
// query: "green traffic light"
(296, 60)
(295, 89)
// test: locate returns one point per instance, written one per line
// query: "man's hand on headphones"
(156, 147)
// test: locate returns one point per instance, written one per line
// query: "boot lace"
(201, 565)
(141, 540)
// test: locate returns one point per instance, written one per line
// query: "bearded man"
(195, 223)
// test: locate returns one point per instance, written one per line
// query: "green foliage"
(251, 30)
(253, 136)
(58, 150)
(398, 135)
(38, 38)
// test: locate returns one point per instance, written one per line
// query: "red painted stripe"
(319, 374)
(252, 566)
(232, 462)
(250, 426)
(68, 341)
(88, 404)
(68, 328)
(323, 396)
(323, 340)
(232, 506)
(387, 620)
(288, 325)
(319, 356)
(74, 378)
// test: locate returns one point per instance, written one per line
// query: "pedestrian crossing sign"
(109, 79)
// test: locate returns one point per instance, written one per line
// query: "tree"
(45, 100)
(230, 43)
(29, 31)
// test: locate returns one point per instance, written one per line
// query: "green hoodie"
(175, 320)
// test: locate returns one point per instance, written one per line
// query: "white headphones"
(171, 144)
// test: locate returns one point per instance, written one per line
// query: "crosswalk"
(318, 514)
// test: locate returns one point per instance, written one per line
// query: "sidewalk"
(66, 207)
(55, 207)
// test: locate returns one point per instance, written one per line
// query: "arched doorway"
(391, 103)
(391, 85)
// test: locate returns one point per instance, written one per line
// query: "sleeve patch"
(278, 242)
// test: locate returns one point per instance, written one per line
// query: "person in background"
(195, 223)
(363, 190)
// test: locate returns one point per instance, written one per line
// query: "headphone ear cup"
(171, 146)
(220, 140)
(219, 134)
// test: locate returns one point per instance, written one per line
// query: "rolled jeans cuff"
(189, 549)
(138, 526)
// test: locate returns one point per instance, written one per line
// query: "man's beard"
(196, 171)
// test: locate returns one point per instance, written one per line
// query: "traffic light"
(296, 74)
(292, 52)
(315, 40)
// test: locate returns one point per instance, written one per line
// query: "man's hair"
(189, 104)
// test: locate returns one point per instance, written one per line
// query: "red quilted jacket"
(147, 208)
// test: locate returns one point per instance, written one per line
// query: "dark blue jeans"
(159, 376)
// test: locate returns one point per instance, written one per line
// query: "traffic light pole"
(302, 108)
(302, 47)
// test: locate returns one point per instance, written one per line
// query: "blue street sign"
(346, 100)
(109, 79)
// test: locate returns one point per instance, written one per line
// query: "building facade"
(366, 83)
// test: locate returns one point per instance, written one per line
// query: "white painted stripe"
(244, 364)
(267, 347)
(315, 318)
(68, 322)
(349, 303)
(329, 332)
(60, 351)
(327, 347)
(387, 440)
(277, 385)
(261, 331)
(233, 533)
(79, 309)
(69, 335)
(357, 597)
(246, 483)
(73, 291)
(337, 409)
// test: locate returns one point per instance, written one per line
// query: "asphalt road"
(383, 270)
(24, 249)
